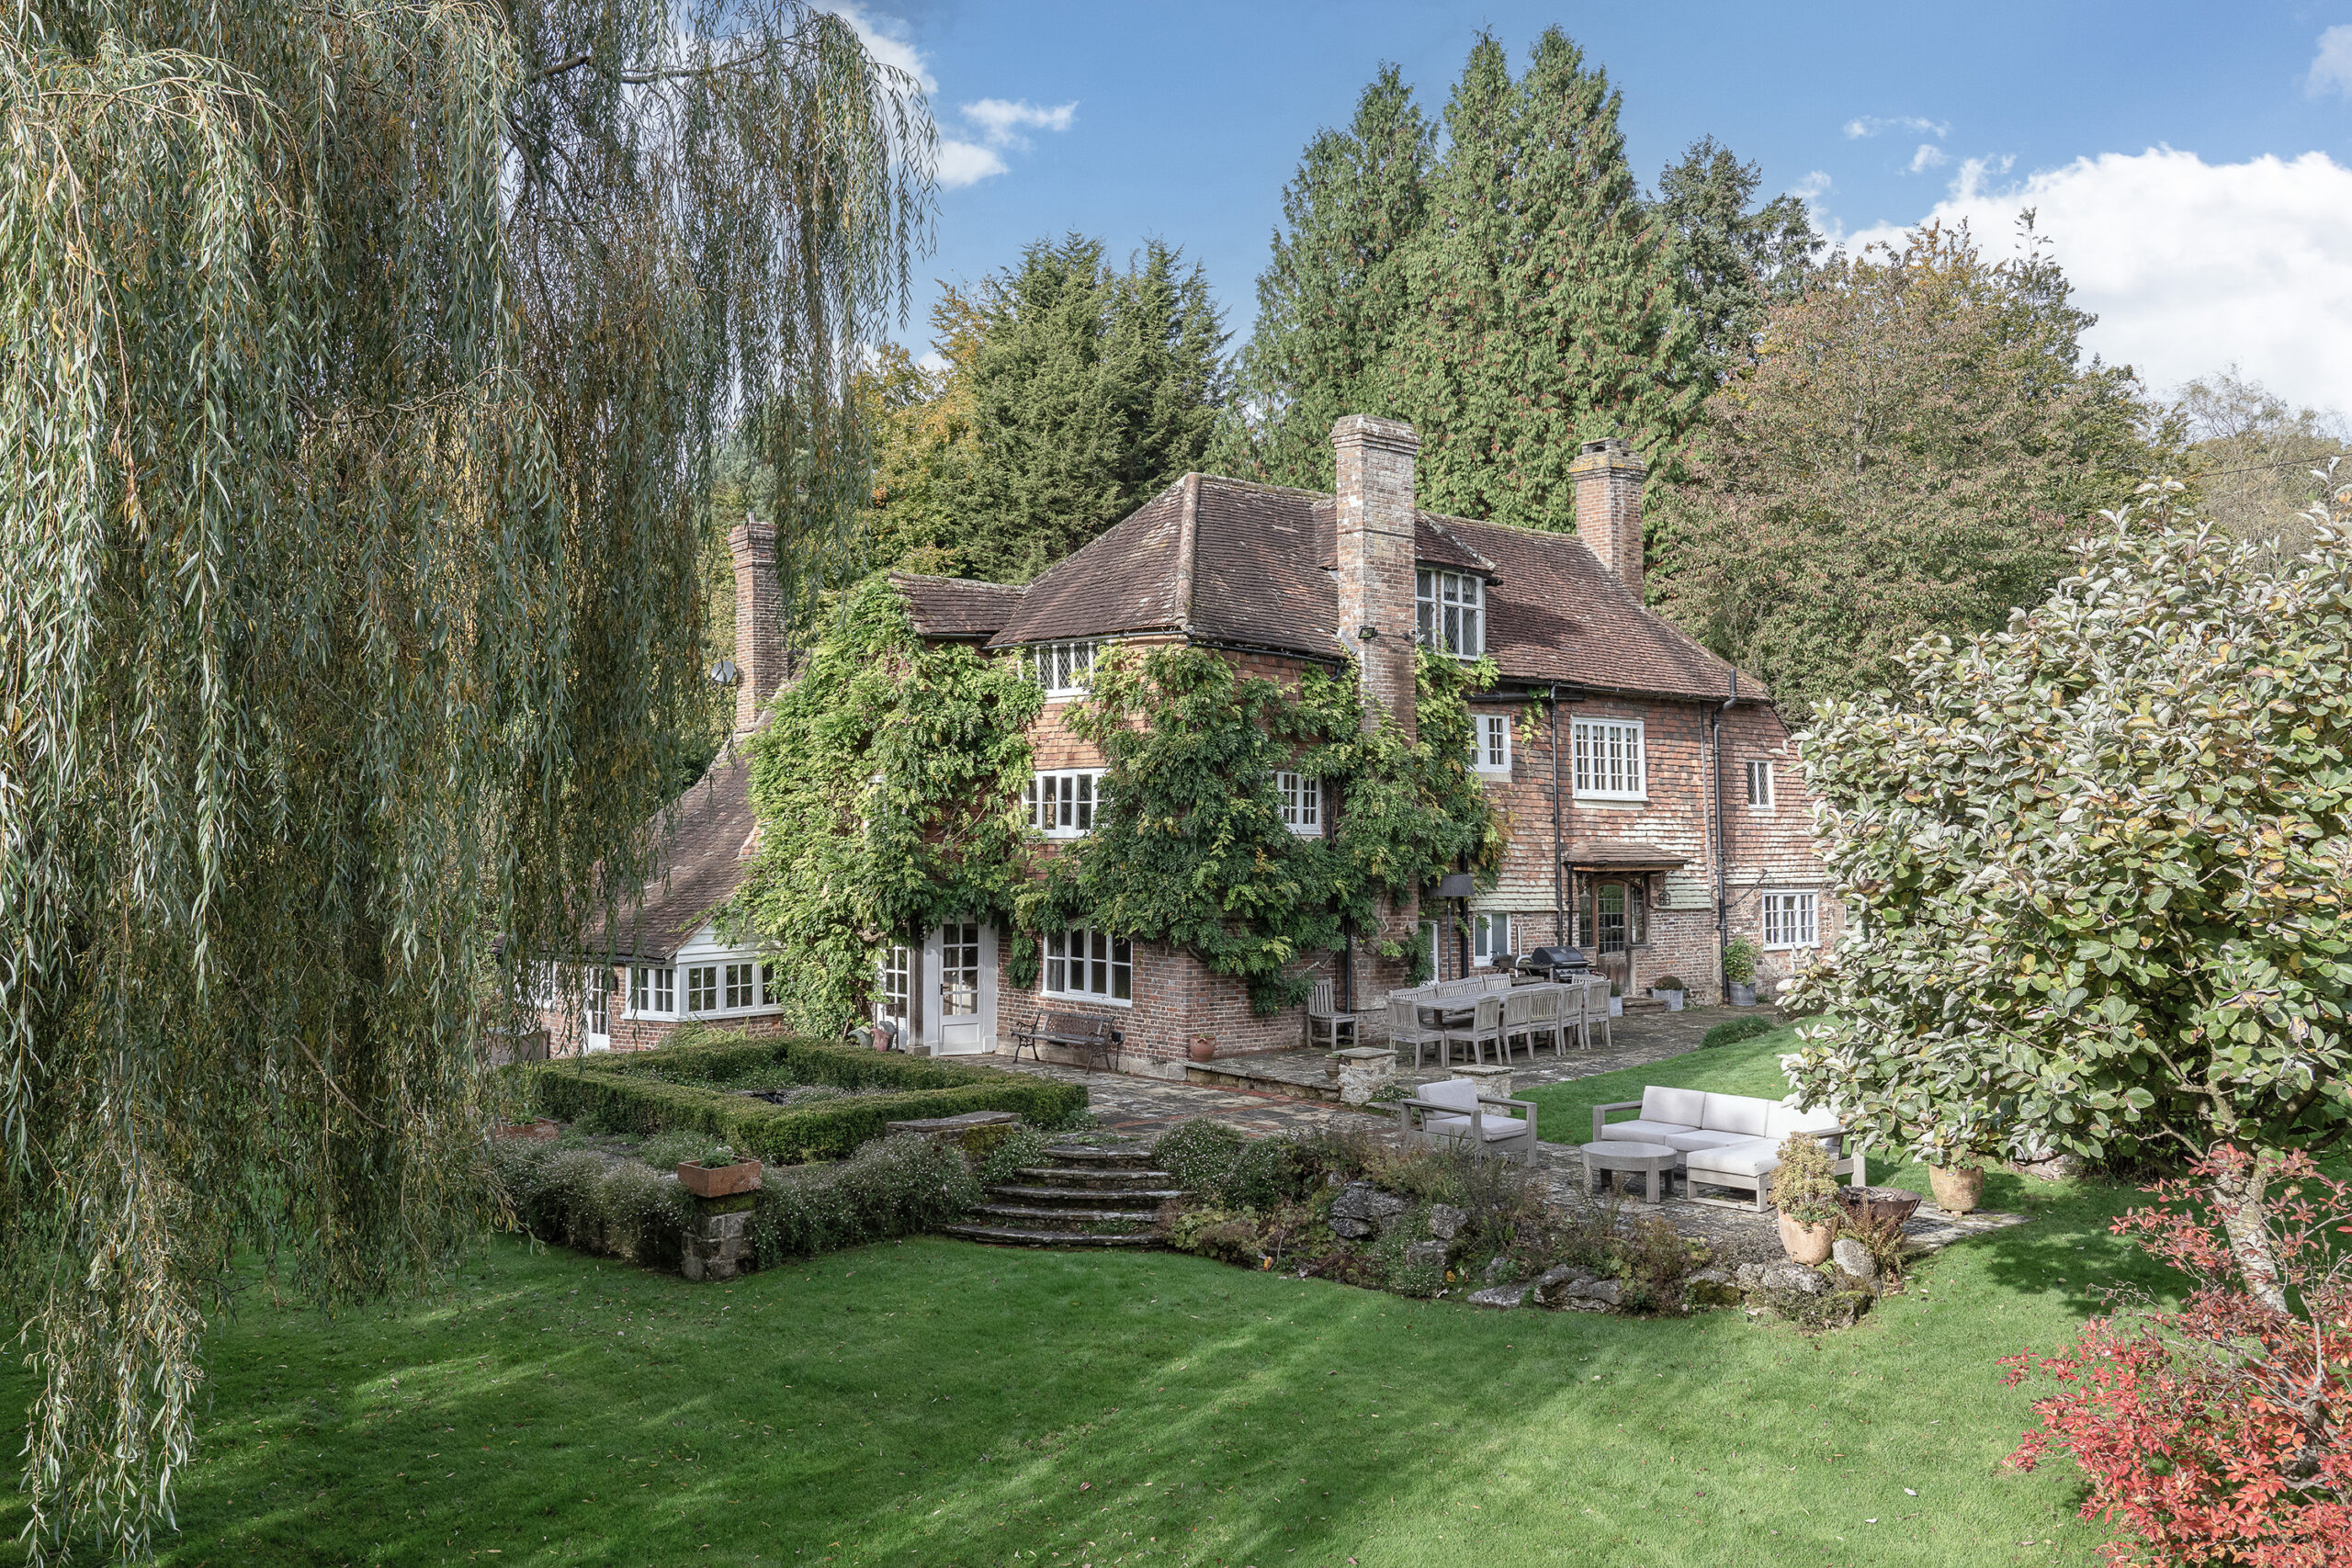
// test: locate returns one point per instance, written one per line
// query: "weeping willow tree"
(368, 363)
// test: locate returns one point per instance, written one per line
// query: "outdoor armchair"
(1451, 1110)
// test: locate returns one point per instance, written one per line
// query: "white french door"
(959, 981)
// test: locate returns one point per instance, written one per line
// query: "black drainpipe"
(1723, 842)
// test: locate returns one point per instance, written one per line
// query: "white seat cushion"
(1737, 1113)
(1783, 1120)
(1644, 1131)
(1685, 1107)
(1751, 1157)
(1455, 1094)
(1703, 1138)
(1494, 1127)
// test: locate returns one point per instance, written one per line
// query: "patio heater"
(1458, 887)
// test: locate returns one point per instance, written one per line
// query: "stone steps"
(1084, 1195)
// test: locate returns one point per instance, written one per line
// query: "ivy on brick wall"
(883, 784)
(1191, 848)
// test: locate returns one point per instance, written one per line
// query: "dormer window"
(1450, 612)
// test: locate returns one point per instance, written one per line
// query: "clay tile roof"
(1131, 579)
(1228, 561)
(953, 607)
(706, 840)
(1622, 854)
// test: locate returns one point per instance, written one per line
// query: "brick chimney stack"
(759, 618)
(1608, 478)
(1373, 536)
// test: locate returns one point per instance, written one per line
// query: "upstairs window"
(1062, 802)
(1062, 668)
(1080, 962)
(1450, 612)
(1759, 784)
(1609, 759)
(1491, 743)
(1302, 800)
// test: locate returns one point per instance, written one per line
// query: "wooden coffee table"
(1625, 1157)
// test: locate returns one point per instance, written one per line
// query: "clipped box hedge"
(674, 1086)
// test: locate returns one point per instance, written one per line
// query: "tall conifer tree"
(1734, 262)
(1090, 389)
(1329, 302)
(1545, 304)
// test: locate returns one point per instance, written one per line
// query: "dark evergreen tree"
(1544, 299)
(1090, 389)
(1734, 262)
(1329, 302)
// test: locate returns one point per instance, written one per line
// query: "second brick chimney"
(1373, 536)
(759, 618)
(1608, 479)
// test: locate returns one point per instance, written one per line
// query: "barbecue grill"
(1555, 962)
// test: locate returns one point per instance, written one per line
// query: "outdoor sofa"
(1451, 1110)
(1725, 1140)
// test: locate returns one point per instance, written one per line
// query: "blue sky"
(2192, 164)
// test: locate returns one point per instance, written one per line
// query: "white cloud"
(2332, 67)
(1002, 121)
(2190, 265)
(1928, 156)
(965, 163)
(1870, 125)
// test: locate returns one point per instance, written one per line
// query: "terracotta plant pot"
(1205, 1051)
(1958, 1189)
(720, 1180)
(1807, 1245)
(540, 1131)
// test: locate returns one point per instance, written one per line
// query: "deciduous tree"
(366, 364)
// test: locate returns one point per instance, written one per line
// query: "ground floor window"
(897, 981)
(702, 988)
(1791, 920)
(652, 990)
(1082, 962)
(959, 970)
(1489, 939)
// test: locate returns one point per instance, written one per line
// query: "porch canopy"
(1622, 856)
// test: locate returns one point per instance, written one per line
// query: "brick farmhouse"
(1653, 806)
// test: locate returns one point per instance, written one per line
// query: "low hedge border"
(672, 1086)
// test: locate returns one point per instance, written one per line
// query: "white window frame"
(1301, 800)
(1099, 958)
(1759, 783)
(895, 986)
(652, 991)
(1063, 669)
(1489, 937)
(1065, 803)
(1611, 760)
(770, 1000)
(1450, 610)
(739, 987)
(1491, 743)
(1789, 918)
(702, 984)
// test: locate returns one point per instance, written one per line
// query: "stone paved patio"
(1269, 1097)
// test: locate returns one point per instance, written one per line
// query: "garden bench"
(1725, 1140)
(1089, 1035)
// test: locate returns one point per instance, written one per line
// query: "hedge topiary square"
(673, 1087)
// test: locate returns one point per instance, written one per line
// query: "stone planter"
(1673, 999)
(1364, 1071)
(1493, 1079)
(1875, 1205)
(1958, 1189)
(720, 1180)
(1807, 1245)
(1742, 995)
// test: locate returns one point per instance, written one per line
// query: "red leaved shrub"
(2215, 1434)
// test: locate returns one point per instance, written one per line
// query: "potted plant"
(1669, 989)
(720, 1174)
(1203, 1048)
(1740, 971)
(1804, 1188)
(1958, 1183)
(1616, 999)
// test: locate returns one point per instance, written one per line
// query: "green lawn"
(932, 1402)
